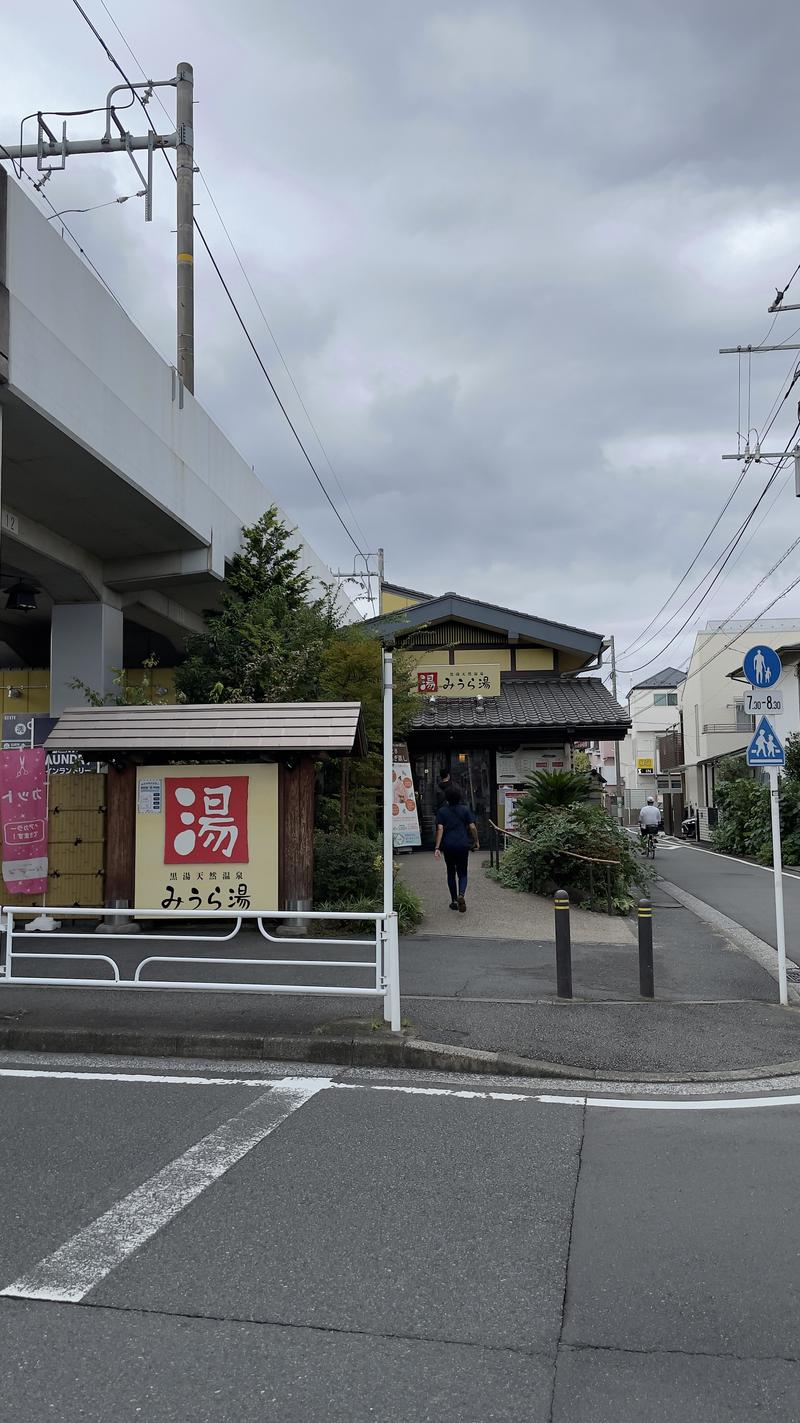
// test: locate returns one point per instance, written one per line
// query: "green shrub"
(550, 790)
(744, 820)
(406, 902)
(346, 867)
(409, 908)
(541, 864)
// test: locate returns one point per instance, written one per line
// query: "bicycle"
(650, 845)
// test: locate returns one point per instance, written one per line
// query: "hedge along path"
(572, 855)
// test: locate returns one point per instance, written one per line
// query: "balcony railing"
(742, 728)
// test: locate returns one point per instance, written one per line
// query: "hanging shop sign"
(207, 838)
(444, 681)
(23, 815)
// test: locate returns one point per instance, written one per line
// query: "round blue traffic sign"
(762, 666)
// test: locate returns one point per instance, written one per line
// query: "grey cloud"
(499, 243)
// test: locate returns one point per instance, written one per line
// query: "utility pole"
(51, 153)
(381, 572)
(618, 769)
(185, 225)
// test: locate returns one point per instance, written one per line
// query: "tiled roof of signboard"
(336, 727)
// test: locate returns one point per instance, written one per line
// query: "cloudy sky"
(499, 243)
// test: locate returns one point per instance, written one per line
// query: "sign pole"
(780, 925)
(391, 961)
(762, 668)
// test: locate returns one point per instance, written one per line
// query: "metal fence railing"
(129, 970)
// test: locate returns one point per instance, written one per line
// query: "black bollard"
(646, 983)
(563, 946)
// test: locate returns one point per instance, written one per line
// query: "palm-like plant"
(552, 790)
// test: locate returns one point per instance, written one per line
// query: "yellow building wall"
(534, 659)
(26, 690)
(395, 602)
(572, 662)
(485, 656)
(438, 658)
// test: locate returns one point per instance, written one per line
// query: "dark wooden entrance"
(473, 770)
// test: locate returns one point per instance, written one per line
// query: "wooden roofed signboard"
(211, 808)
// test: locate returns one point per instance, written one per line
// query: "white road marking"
(641, 1104)
(733, 859)
(305, 1087)
(87, 1258)
(158, 1078)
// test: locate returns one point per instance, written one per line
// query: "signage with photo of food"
(405, 820)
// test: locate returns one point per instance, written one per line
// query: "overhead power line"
(201, 175)
(774, 411)
(731, 547)
(233, 304)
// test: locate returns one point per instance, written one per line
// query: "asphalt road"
(231, 1243)
(743, 891)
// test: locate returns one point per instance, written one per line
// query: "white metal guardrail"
(382, 968)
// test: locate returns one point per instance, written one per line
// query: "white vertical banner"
(405, 818)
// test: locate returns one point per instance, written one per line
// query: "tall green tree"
(266, 641)
(351, 672)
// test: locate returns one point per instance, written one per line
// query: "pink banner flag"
(23, 815)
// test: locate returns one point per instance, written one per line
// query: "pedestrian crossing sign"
(766, 747)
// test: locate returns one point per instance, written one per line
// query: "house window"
(665, 699)
(744, 722)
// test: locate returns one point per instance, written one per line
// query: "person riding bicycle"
(649, 819)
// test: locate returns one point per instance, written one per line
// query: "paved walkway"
(494, 912)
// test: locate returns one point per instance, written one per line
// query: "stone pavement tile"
(683, 1234)
(82, 1365)
(494, 912)
(609, 1386)
(384, 1214)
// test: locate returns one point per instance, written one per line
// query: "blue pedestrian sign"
(762, 667)
(766, 747)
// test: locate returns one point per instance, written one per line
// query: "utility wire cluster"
(717, 571)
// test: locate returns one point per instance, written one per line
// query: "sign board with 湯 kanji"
(444, 681)
(207, 837)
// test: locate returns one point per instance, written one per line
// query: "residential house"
(712, 698)
(653, 709)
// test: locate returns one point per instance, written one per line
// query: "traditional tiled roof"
(533, 704)
(668, 677)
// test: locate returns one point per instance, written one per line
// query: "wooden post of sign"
(120, 836)
(296, 834)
